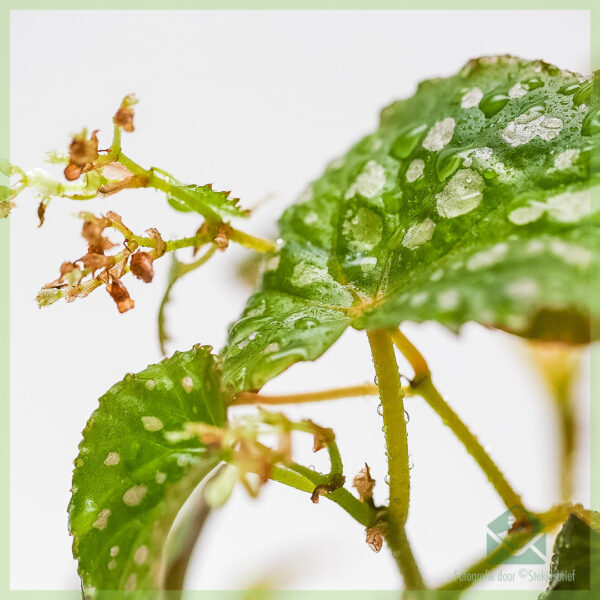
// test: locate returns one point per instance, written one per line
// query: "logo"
(515, 538)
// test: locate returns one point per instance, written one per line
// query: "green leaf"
(471, 202)
(199, 197)
(132, 477)
(575, 558)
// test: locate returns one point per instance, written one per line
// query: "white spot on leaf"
(471, 98)
(363, 230)
(112, 458)
(140, 556)
(462, 194)
(418, 234)
(569, 207)
(448, 300)
(187, 383)
(439, 135)
(530, 125)
(134, 495)
(419, 299)
(565, 159)
(152, 423)
(102, 519)
(150, 384)
(415, 170)
(131, 583)
(487, 258)
(526, 214)
(160, 477)
(369, 183)
(524, 288)
(571, 254)
(517, 91)
(114, 551)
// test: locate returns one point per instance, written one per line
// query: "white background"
(257, 102)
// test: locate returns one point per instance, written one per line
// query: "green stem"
(305, 480)
(390, 393)
(244, 239)
(565, 407)
(550, 519)
(251, 241)
(430, 394)
(352, 391)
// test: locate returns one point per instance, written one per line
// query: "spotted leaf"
(135, 470)
(575, 558)
(471, 202)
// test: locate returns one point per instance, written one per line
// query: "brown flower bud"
(222, 236)
(141, 266)
(364, 484)
(124, 118)
(120, 295)
(72, 171)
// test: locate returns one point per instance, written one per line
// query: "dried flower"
(124, 116)
(120, 295)
(374, 536)
(92, 232)
(141, 266)
(160, 245)
(82, 151)
(364, 484)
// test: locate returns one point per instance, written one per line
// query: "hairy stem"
(366, 389)
(390, 393)
(427, 390)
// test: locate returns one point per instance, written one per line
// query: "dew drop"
(493, 103)
(306, 323)
(462, 194)
(407, 141)
(363, 230)
(583, 95)
(591, 123)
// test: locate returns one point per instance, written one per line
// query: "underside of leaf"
(575, 559)
(135, 470)
(471, 202)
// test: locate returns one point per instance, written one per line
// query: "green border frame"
(5, 8)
